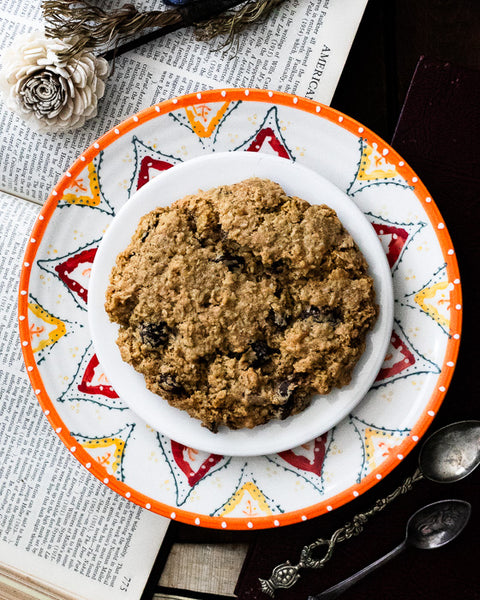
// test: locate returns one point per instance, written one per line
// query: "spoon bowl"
(451, 453)
(437, 524)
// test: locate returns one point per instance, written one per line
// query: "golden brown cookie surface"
(239, 303)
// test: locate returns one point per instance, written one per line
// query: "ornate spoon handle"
(286, 575)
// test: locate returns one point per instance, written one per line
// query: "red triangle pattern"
(267, 136)
(86, 386)
(183, 454)
(398, 239)
(299, 461)
(148, 163)
(406, 359)
(64, 269)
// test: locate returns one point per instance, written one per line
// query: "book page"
(300, 48)
(57, 522)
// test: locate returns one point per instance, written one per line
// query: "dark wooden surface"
(392, 36)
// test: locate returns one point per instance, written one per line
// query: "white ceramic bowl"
(204, 173)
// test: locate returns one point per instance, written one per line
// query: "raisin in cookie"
(239, 303)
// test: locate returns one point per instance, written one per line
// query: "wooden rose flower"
(51, 92)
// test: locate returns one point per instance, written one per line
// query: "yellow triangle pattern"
(45, 329)
(248, 501)
(106, 451)
(84, 189)
(204, 118)
(374, 165)
(379, 445)
(435, 301)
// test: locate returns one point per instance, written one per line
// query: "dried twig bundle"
(99, 30)
(233, 22)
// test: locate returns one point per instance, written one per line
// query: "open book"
(63, 534)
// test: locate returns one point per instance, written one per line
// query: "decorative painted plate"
(214, 490)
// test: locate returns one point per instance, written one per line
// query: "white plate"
(204, 173)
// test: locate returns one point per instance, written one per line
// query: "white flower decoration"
(51, 93)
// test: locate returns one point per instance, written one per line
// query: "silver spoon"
(448, 455)
(430, 527)
(451, 453)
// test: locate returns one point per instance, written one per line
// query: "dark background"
(434, 123)
(392, 36)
